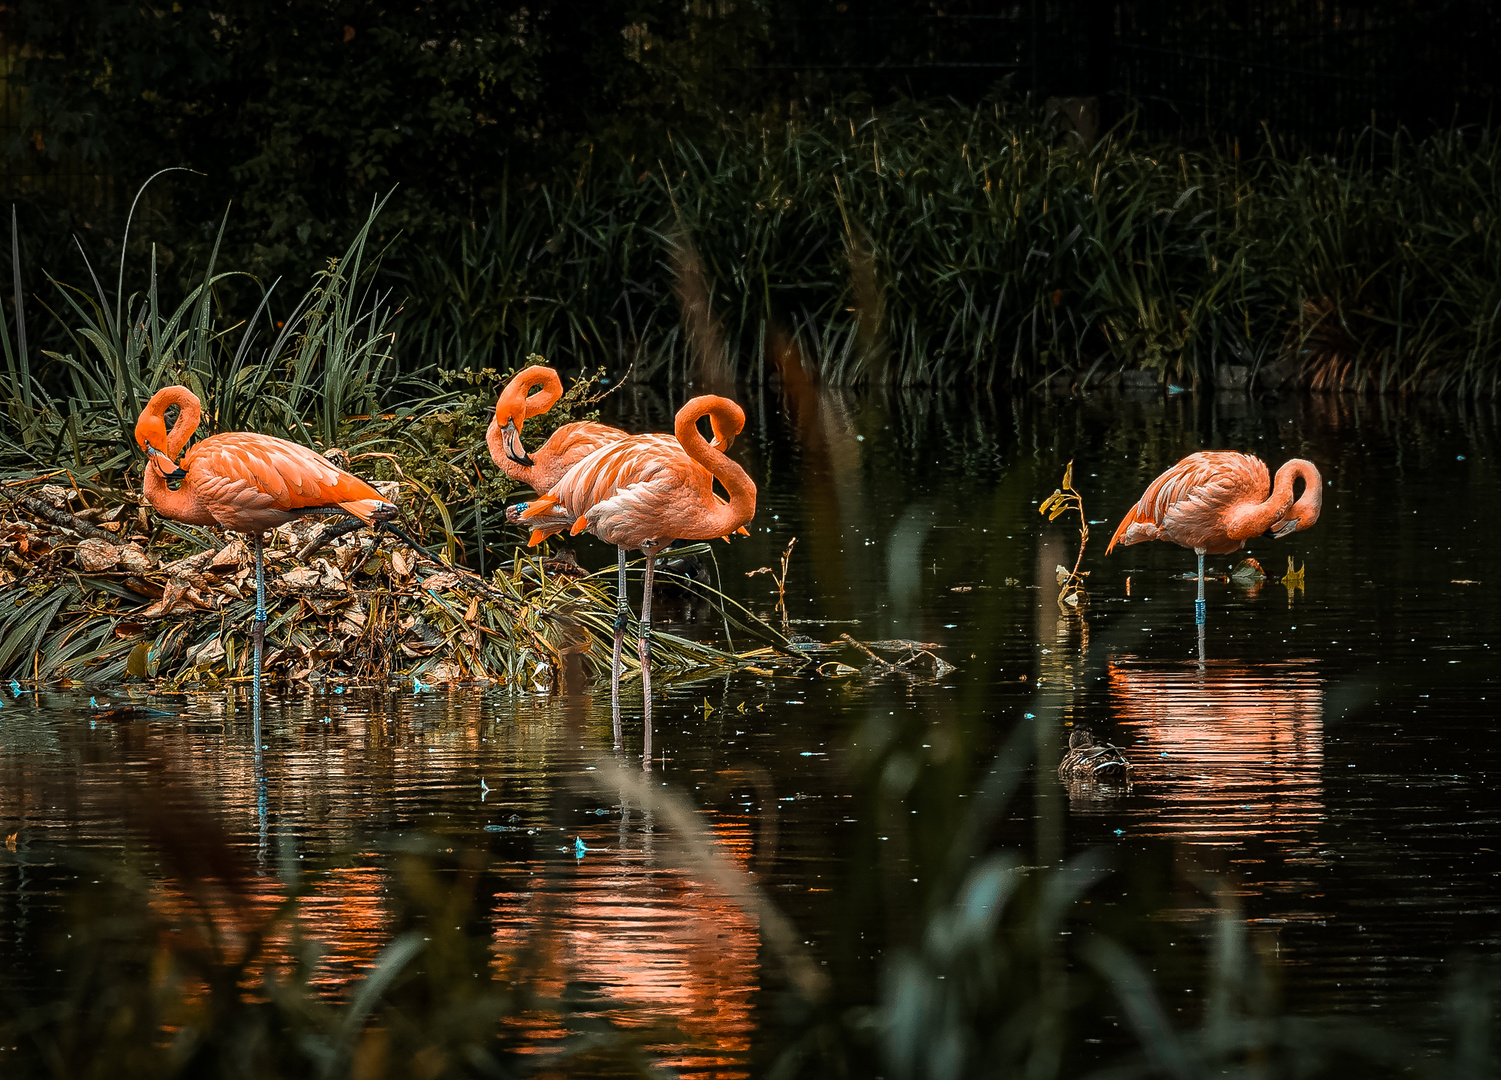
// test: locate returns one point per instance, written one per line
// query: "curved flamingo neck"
(519, 402)
(728, 420)
(151, 428)
(1306, 510)
(516, 403)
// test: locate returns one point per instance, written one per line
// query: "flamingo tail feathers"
(538, 506)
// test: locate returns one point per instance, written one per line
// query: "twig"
(1065, 498)
(887, 664)
(58, 516)
(326, 534)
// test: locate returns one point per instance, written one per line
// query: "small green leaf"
(136, 664)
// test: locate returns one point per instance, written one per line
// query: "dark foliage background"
(301, 113)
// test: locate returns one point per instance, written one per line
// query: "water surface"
(1326, 755)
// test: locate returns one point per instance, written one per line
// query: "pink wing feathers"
(245, 470)
(1194, 502)
(566, 447)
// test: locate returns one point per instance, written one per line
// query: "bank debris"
(98, 594)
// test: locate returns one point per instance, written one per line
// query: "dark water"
(1328, 758)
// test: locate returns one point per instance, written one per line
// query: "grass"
(941, 245)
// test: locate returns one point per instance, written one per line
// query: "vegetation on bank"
(94, 587)
(935, 244)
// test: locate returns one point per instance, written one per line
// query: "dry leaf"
(229, 558)
(133, 559)
(352, 622)
(96, 556)
(302, 578)
(401, 564)
(139, 660)
(330, 576)
(444, 671)
(210, 652)
(442, 581)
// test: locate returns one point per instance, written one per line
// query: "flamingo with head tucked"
(531, 392)
(1216, 500)
(243, 481)
(644, 492)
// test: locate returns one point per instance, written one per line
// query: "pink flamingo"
(243, 481)
(531, 392)
(1216, 500)
(644, 492)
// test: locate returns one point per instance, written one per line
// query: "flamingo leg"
(622, 613)
(1199, 603)
(258, 636)
(644, 646)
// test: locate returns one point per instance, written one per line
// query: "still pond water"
(1330, 756)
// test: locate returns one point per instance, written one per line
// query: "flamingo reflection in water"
(1228, 751)
(1214, 501)
(634, 939)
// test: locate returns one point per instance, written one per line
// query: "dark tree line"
(302, 112)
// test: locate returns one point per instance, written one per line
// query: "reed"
(942, 245)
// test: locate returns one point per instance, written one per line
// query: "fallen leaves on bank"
(113, 604)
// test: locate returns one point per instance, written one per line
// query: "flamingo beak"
(1287, 528)
(152, 453)
(512, 443)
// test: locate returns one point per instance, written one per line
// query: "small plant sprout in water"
(781, 581)
(1071, 582)
(1293, 579)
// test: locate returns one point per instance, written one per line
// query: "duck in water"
(1089, 760)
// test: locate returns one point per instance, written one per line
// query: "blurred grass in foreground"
(176, 961)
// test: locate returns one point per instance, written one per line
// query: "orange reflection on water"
(1225, 751)
(659, 946)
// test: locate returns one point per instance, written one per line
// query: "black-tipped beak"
(512, 442)
(152, 456)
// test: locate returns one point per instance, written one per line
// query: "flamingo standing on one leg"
(1216, 500)
(243, 481)
(646, 491)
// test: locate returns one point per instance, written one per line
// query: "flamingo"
(243, 481)
(1216, 500)
(567, 446)
(644, 492)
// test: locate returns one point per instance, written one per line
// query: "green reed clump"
(938, 244)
